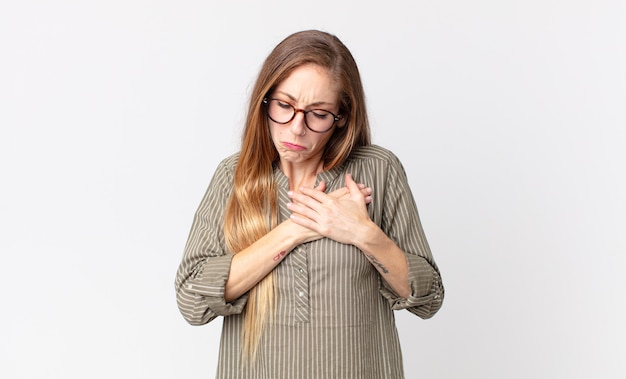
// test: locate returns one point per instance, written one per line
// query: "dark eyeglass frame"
(295, 111)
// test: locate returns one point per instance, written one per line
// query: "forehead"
(310, 83)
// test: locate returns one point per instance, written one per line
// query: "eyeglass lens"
(318, 120)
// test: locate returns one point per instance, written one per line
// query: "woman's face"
(307, 87)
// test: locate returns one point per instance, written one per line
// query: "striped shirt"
(334, 312)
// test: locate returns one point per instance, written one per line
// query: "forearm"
(386, 257)
(251, 265)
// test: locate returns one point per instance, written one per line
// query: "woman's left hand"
(342, 218)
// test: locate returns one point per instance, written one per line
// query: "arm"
(400, 221)
(212, 282)
(253, 263)
(203, 270)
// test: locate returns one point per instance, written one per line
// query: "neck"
(301, 174)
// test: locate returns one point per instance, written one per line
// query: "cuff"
(426, 288)
(209, 283)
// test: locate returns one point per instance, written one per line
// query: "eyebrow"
(315, 104)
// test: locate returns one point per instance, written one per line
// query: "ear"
(343, 121)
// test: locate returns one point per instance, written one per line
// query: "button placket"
(297, 258)
(301, 284)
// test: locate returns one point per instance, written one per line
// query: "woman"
(305, 263)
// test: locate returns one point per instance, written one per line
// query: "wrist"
(296, 234)
(367, 235)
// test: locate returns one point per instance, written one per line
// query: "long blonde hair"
(252, 210)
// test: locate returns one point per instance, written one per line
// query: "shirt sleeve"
(205, 265)
(401, 223)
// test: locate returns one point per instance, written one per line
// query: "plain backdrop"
(509, 117)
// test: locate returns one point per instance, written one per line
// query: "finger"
(302, 198)
(313, 193)
(302, 209)
(351, 184)
(305, 222)
(342, 192)
(339, 192)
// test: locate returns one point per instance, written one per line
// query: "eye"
(283, 104)
(320, 114)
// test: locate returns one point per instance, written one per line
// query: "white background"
(509, 117)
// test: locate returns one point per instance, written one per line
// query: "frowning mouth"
(292, 146)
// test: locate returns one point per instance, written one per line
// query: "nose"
(298, 127)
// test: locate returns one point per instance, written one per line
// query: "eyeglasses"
(316, 120)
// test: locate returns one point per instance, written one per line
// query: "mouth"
(292, 146)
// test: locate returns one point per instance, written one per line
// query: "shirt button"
(300, 270)
(301, 293)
